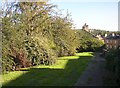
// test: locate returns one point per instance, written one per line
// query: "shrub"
(113, 63)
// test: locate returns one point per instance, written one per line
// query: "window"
(115, 41)
(107, 41)
(110, 46)
(107, 46)
(111, 41)
(115, 46)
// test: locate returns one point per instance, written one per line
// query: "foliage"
(88, 42)
(103, 32)
(113, 63)
(31, 27)
(35, 33)
(64, 72)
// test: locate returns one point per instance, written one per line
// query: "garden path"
(94, 73)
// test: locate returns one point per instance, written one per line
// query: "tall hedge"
(35, 33)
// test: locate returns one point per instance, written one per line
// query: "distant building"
(85, 27)
(112, 41)
(100, 37)
(105, 35)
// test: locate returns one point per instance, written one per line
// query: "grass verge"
(65, 72)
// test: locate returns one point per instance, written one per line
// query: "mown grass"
(65, 72)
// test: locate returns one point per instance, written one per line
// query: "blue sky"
(98, 15)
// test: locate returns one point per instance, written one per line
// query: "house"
(99, 37)
(85, 27)
(112, 41)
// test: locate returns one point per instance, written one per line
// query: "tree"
(29, 35)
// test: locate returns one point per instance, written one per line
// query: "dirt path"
(94, 74)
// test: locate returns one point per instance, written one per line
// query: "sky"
(97, 14)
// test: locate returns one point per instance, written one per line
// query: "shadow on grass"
(52, 76)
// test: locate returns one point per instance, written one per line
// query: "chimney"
(113, 34)
(105, 35)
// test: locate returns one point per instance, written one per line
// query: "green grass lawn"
(65, 72)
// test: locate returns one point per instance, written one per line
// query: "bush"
(87, 42)
(39, 51)
(34, 34)
(113, 63)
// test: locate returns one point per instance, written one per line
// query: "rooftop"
(113, 37)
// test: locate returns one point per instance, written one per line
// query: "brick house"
(112, 41)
